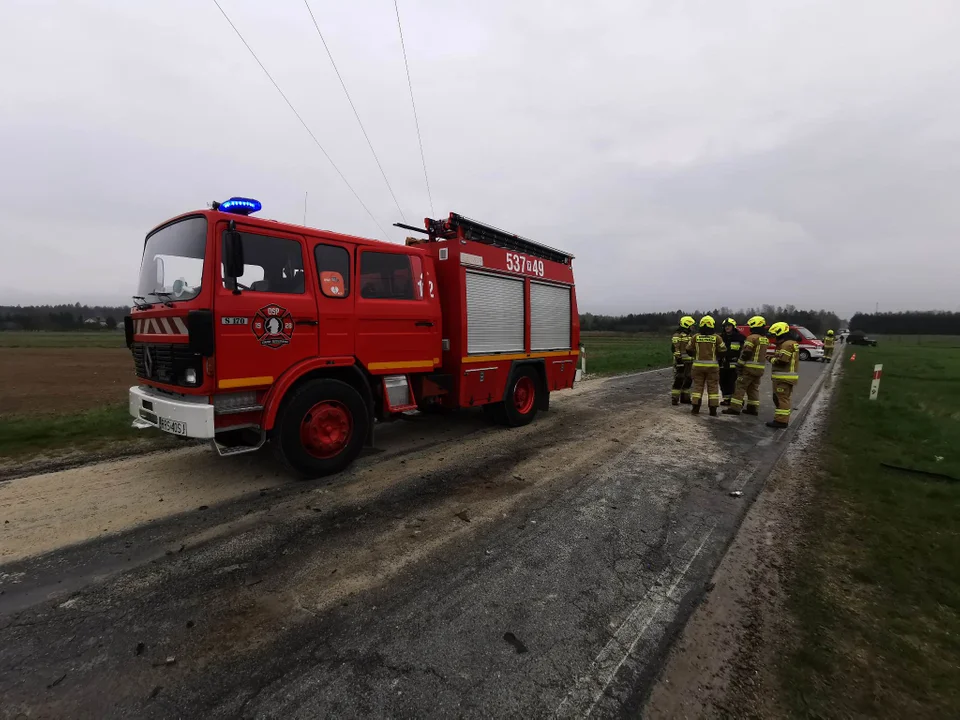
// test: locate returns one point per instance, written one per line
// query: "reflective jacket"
(828, 341)
(785, 362)
(680, 341)
(753, 356)
(706, 349)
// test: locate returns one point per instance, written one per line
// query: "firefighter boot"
(675, 401)
(695, 408)
(751, 410)
(776, 426)
(713, 411)
(732, 411)
(685, 400)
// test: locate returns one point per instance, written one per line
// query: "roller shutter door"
(549, 317)
(494, 314)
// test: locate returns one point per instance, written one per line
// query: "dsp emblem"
(273, 326)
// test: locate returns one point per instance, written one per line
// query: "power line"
(353, 107)
(412, 102)
(302, 122)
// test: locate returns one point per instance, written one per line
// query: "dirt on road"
(725, 662)
(459, 569)
(40, 381)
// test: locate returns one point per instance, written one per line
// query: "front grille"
(165, 362)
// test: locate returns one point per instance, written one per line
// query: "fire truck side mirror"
(232, 258)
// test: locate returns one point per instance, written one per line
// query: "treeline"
(816, 321)
(61, 317)
(928, 322)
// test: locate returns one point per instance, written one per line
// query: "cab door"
(397, 311)
(270, 323)
(335, 299)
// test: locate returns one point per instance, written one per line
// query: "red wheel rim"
(326, 429)
(524, 394)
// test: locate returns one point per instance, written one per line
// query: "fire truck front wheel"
(321, 428)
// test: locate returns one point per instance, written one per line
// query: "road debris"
(464, 515)
(517, 644)
(56, 682)
(736, 493)
(140, 648)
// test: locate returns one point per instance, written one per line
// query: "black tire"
(286, 438)
(495, 413)
(804, 355)
(513, 416)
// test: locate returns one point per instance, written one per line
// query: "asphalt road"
(460, 570)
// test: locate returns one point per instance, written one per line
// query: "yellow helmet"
(829, 332)
(687, 322)
(707, 322)
(779, 329)
(756, 322)
(730, 321)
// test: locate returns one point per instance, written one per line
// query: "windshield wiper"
(142, 302)
(163, 297)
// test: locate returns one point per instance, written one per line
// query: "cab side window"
(271, 264)
(333, 270)
(390, 276)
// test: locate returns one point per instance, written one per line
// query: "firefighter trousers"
(708, 377)
(827, 353)
(748, 384)
(781, 400)
(682, 379)
(728, 380)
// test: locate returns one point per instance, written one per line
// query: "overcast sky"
(690, 154)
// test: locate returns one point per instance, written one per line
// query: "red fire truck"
(249, 330)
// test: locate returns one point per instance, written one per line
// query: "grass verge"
(25, 436)
(876, 584)
(608, 355)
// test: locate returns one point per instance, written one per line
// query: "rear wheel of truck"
(523, 398)
(321, 429)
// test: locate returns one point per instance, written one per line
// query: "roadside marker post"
(875, 385)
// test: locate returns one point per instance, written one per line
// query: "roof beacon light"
(240, 206)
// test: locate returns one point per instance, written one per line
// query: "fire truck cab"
(248, 331)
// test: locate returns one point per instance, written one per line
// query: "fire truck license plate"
(177, 427)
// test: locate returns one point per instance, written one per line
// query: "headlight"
(190, 376)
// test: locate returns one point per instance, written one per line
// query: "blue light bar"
(240, 206)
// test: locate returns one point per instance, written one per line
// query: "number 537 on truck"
(248, 331)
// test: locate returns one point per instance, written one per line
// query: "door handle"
(305, 322)
(424, 323)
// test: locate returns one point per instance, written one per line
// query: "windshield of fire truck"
(173, 261)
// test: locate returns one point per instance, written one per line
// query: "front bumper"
(150, 408)
(815, 352)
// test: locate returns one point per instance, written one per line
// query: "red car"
(810, 347)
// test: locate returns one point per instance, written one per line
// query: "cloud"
(689, 154)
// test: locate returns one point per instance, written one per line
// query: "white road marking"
(589, 689)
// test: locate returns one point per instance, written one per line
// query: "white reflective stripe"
(181, 327)
(153, 326)
(137, 324)
(166, 326)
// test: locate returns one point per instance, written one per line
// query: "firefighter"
(733, 339)
(706, 347)
(682, 362)
(828, 343)
(753, 360)
(784, 372)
